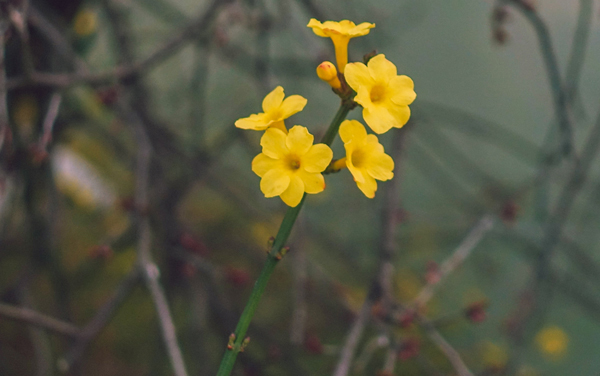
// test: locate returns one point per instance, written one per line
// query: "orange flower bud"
(327, 72)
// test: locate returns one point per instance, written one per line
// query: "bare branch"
(40, 320)
(465, 248)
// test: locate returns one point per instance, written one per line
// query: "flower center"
(358, 158)
(292, 162)
(377, 93)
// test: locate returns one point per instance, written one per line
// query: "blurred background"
(127, 201)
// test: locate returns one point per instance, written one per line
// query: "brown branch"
(450, 352)
(461, 252)
(99, 321)
(29, 316)
(198, 28)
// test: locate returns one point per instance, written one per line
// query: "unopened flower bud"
(327, 72)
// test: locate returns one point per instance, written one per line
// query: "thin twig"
(578, 49)
(4, 129)
(149, 269)
(349, 348)
(61, 45)
(99, 321)
(387, 249)
(451, 354)
(49, 120)
(198, 28)
(461, 252)
(29, 316)
(551, 62)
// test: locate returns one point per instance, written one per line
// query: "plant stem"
(273, 258)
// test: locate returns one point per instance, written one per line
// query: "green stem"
(273, 258)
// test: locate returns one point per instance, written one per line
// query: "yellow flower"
(276, 109)
(290, 165)
(365, 157)
(552, 341)
(327, 72)
(383, 94)
(340, 34)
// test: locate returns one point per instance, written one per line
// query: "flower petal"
(317, 27)
(402, 88)
(357, 173)
(317, 158)
(361, 29)
(273, 143)
(379, 119)
(273, 99)
(380, 166)
(256, 122)
(357, 75)
(299, 140)
(313, 183)
(261, 164)
(291, 105)
(294, 192)
(352, 130)
(381, 69)
(274, 182)
(368, 187)
(402, 114)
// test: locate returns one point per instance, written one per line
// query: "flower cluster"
(290, 165)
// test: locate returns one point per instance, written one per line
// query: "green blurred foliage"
(473, 146)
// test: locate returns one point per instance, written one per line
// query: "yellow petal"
(363, 96)
(361, 29)
(317, 27)
(402, 88)
(261, 164)
(357, 76)
(299, 140)
(313, 183)
(291, 105)
(357, 173)
(273, 99)
(402, 114)
(279, 125)
(368, 187)
(381, 69)
(273, 143)
(380, 166)
(317, 158)
(379, 119)
(352, 130)
(294, 192)
(255, 121)
(274, 182)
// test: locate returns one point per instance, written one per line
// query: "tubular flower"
(365, 157)
(327, 72)
(340, 34)
(383, 94)
(276, 109)
(290, 164)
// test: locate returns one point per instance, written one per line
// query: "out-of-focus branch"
(99, 321)
(29, 316)
(349, 348)
(198, 28)
(4, 129)
(450, 352)
(578, 48)
(149, 269)
(469, 243)
(549, 56)
(381, 287)
(61, 45)
(566, 199)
